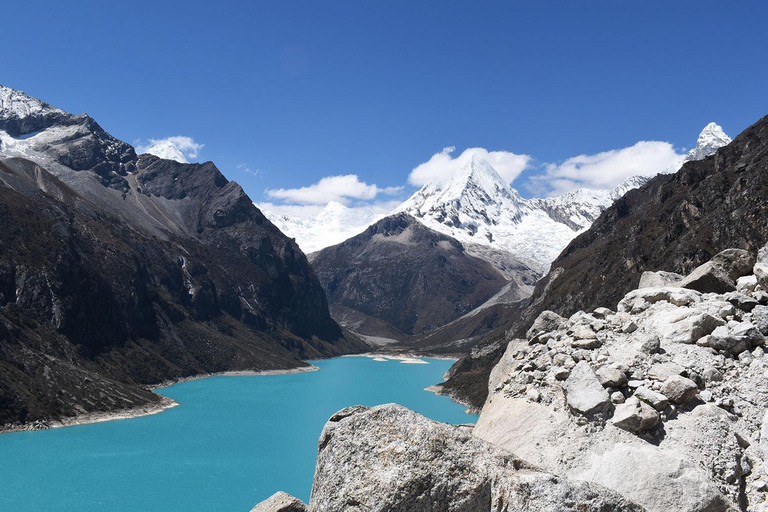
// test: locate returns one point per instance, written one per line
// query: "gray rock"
(583, 390)
(719, 274)
(638, 301)
(547, 321)
(761, 268)
(602, 313)
(617, 397)
(611, 377)
(635, 415)
(586, 344)
(735, 338)
(683, 324)
(741, 301)
(711, 374)
(648, 342)
(280, 502)
(583, 332)
(657, 400)
(662, 371)
(746, 284)
(759, 319)
(388, 458)
(658, 279)
(679, 389)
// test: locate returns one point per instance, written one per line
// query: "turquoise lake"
(231, 442)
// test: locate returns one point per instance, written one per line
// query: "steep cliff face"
(674, 222)
(163, 270)
(406, 274)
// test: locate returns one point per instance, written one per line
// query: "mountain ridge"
(127, 270)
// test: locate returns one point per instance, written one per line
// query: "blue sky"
(283, 94)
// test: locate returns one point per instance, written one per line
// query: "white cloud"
(179, 148)
(248, 170)
(607, 169)
(332, 188)
(307, 211)
(443, 165)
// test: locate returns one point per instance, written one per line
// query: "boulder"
(683, 324)
(611, 377)
(679, 389)
(547, 321)
(647, 342)
(388, 458)
(746, 284)
(740, 300)
(719, 274)
(654, 398)
(662, 371)
(658, 279)
(638, 301)
(583, 391)
(759, 318)
(761, 268)
(662, 481)
(734, 338)
(635, 415)
(280, 502)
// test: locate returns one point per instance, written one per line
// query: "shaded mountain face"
(134, 270)
(407, 275)
(675, 222)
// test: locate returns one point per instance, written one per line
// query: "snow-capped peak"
(711, 138)
(167, 149)
(475, 189)
(16, 104)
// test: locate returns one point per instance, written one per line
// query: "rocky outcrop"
(388, 458)
(684, 430)
(280, 502)
(675, 223)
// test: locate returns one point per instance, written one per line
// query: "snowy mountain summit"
(711, 138)
(477, 207)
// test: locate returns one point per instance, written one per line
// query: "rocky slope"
(659, 399)
(118, 271)
(408, 276)
(674, 222)
(657, 405)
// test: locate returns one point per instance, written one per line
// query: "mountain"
(711, 138)
(477, 207)
(330, 226)
(118, 271)
(407, 275)
(674, 222)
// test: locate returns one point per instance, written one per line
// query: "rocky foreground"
(658, 405)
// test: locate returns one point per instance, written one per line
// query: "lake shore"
(93, 417)
(168, 403)
(143, 410)
(234, 373)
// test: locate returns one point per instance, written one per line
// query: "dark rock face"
(76, 141)
(105, 289)
(404, 273)
(674, 223)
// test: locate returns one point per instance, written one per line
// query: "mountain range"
(119, 271)
(391, 291)
(480, 209)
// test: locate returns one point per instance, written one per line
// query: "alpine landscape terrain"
(563, 309)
